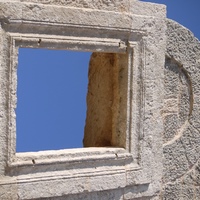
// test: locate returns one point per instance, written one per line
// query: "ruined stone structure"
(143, 118)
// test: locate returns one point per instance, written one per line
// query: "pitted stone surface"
(117, 5)
(98, 129)
(182, 132)
(105, 120)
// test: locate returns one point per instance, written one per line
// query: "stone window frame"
(136, 28)
(132, 33)
(50, 42)
(129, 156)
(17, 160)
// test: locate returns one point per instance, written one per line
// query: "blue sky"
(52, 87)
(51, 108)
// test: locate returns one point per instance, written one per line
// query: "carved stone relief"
(181, 175)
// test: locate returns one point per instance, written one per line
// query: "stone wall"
(128, 40)
(98, 129)
(106, 101)
(181, 114)
(142, 123)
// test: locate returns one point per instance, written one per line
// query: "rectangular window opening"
(69, 99)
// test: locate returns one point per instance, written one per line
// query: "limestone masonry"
(142, 129)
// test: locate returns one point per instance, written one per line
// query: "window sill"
(69, 156)
(70, 164)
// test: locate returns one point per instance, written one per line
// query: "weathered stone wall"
(181, 114)
(128, 38)
(4, 84)
(106, 101)
(139, 106)
(98, 129)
